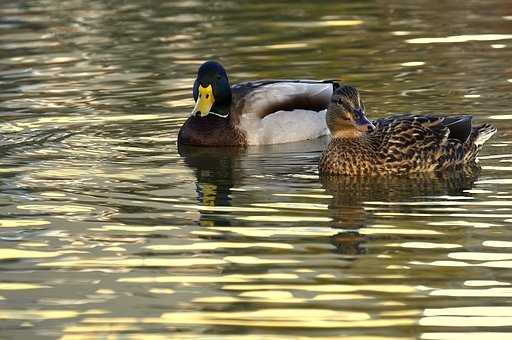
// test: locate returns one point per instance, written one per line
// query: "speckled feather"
(406, 144)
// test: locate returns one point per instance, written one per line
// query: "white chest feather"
(285, 127)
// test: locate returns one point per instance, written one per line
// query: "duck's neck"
(222, 109)
(348, 134)
(222, 104)
(357, 143)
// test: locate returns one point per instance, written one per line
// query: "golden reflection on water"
(467, 321)
(268, 232)
(162, 291)
(326, 23)
(209, 279)
(477, 283)
(265, 317)
(465, 335)
(22, 223)
(134, 262)
(19, 286)
(37, 314)
(216, 245)
(460, 38)
(67, 208)
(487, 292)
(23, 254)
(108, 230)
(286, 205)
(134, 228)
(333, 288)
(282, 218)
(427, 245)
(497, 244)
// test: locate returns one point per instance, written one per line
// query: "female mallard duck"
(259, 112)
(397, 144)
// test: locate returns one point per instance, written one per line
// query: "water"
(106, 228)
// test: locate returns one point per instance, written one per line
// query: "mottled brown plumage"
(398, 144)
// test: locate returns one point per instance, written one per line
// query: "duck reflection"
(219, 169)
(347, 207)
(216, 173)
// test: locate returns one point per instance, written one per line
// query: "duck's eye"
(340, 101)
(207, 96)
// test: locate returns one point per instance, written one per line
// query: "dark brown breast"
(211, 131)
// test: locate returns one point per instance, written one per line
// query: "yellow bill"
(205, 101)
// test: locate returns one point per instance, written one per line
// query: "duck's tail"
(479, 135)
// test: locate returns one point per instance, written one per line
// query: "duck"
(398, 144)
(254, 112)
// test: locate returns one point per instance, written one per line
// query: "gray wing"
(265, 97)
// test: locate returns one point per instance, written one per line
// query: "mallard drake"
(256, 112)
(397, 144)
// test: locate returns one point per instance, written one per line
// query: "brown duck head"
(346, 116)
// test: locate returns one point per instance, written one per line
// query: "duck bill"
(362, 123)
(204, 101)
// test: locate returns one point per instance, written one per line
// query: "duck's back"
(418, 143)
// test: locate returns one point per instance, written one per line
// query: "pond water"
(106, 228)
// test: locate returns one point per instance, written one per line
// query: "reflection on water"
(107, 228)
(355, 200)
(351, 194)
(216, 172)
